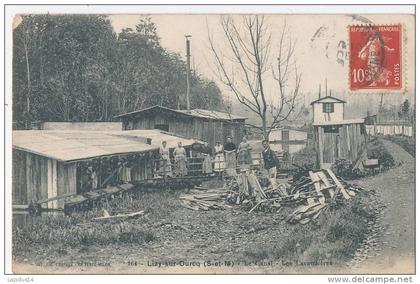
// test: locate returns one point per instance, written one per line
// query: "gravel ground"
(396, 189)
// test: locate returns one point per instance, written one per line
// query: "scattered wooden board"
(339, 185)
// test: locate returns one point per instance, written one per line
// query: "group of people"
(227, 158)
(180, 166)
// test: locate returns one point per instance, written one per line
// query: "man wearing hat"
(270, 162)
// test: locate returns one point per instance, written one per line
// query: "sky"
(320, 54)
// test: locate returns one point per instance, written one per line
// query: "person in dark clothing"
(230, 157)
(270, 162)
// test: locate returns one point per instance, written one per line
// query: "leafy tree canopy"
(76, 68)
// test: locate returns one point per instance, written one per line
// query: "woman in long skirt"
(244, 154)
(180, 168)
(230, 156)
(219, 158)
(165, 160)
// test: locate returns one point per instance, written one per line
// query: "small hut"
(344, 139)
(336, 137)
(207, 125)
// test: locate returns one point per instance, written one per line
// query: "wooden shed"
(47, 164)
(344, 139)
(206, 125)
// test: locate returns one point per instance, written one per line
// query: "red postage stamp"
(375, 57)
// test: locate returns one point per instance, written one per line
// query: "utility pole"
(319, 92)
(326, 87)
(187, 38)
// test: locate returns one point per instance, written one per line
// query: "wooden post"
(320, 146)
(54, 183)
(164, 169)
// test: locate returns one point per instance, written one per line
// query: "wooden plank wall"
(37, 178)
(346, 144)
(19, 194)
(143, 169)
(208, 130)
(66, 180)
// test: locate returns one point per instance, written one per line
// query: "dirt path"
(397, 240)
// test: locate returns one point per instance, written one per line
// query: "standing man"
(270, 162)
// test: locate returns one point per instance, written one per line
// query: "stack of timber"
(317, 192)
(311, 194)
(254, 192)
(204, 200)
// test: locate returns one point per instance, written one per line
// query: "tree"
(404, 112)
(245, 66)
(76, 68)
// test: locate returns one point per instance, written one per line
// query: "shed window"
(327, 107)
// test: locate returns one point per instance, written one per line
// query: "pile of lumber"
(311, 193)
(316, 192)
(204, 200)
(246, 189)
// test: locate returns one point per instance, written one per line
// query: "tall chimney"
(188, 71)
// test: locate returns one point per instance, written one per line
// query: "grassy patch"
(334, 237)
(406, 143)
(78, 229)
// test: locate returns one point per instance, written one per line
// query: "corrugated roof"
(76, 145)
(346, 121)
(71, 145)
(201, 113)
(328, 97)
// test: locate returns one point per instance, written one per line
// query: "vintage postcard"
(251, 142)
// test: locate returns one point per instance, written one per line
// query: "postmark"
(375, 57)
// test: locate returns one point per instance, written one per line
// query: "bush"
(344, 169)
(377, 150)
(404, 142)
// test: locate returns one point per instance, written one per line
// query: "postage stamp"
(375, 57)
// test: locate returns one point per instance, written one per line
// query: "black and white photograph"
(211, 143)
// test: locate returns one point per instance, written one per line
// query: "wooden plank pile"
(312, 193)
(204, 200)
(316, 192)
(247, 190)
